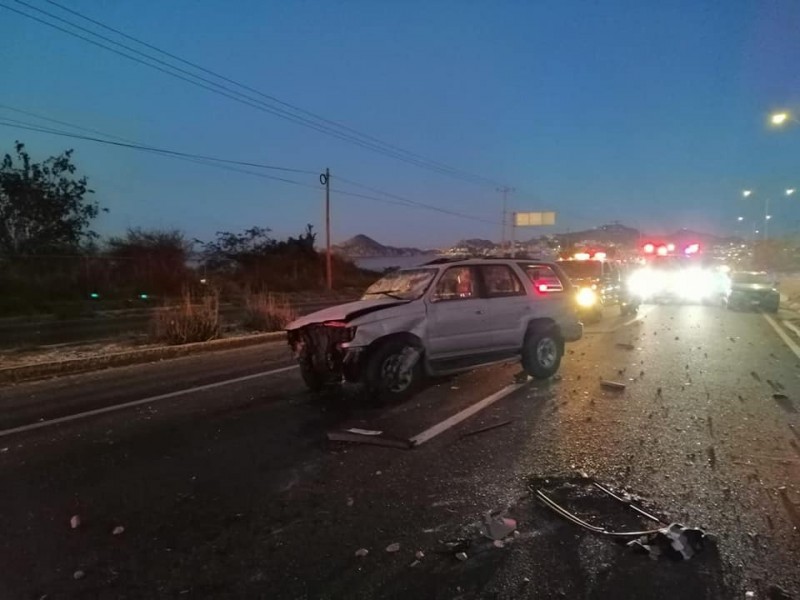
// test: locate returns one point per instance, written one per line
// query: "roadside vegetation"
(53, 263)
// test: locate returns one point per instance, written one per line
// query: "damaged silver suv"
(440, 318)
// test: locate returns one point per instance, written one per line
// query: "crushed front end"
(322, 353)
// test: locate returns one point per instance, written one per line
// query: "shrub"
(192, 320)
(264, 312)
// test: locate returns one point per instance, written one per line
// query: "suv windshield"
(407, 284)
(762, 278)
(582, 269)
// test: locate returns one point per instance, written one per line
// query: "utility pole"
(325, 179)
(504, 190)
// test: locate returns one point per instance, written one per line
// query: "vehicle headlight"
(586, 297)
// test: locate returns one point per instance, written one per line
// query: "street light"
(740, 219)
(768, 217)
(779, 118)
(746, 193)
(790, 191)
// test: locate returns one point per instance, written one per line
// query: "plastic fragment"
(75, 521)
(394, 547)
(362, 552)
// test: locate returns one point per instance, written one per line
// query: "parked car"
(751, 289)
(440, 318)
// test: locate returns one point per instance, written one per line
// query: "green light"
(94, 296)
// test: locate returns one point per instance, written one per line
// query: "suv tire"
(383, 383)
(541, 353)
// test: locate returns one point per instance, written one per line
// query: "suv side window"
(544, 279)
(500, 281)
(457, 283)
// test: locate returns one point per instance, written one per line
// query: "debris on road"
(462, 556)
(612, 385)
(755, 376)
(676, 542)
(497, 527)
(776, 592)
(419, 555)
(368, 436)
(118, 530)
(498, 544)
(350, 502)
(780, 396)
(78, 575)
(395, 547)
(75, 521)
(626, 346)
(486, 428)
(361, 552)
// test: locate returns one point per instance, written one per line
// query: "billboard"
(532, 219)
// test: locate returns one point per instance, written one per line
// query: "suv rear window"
(544, 279)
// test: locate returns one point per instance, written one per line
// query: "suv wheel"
(541, 354)
(393, 371)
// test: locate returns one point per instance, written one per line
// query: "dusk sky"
(650, 113)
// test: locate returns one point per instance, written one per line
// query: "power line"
(402, 201)
(357, 138)
(136, 146)
(260, 93)
(226, 164)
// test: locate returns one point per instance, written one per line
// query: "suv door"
(509, 306)
(457, 314)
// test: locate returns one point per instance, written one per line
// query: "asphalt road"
(218, 468)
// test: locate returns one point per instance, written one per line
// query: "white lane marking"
(792, 326)
(124, 405)
(784, 336)
(432, 432)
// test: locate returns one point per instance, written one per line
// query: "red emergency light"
(649, 248)
(662, 251)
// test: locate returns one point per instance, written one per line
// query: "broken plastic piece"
(118, 530)
(462, 556)
(486, 428)
(612, 385)
(373, 439)
(75, 521)
(395, 547)
(362, 552)
(498, 527)
(676, 542)
(626, 346)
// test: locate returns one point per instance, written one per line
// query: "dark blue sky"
(652, 113)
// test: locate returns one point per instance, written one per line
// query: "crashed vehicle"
(753, 289)
(444, 317)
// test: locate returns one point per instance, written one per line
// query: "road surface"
(219, 471)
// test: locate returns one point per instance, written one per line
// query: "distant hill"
(363, 246)
(615, 233)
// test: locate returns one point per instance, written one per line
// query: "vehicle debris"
(674, 541)
(78, 574)
(612, 385)
(780, 396)
(497, 527)
(350, 502)
(462, 556)
(498, 544)
(419, 555)
(486, 428)
(626, 346)
(362, 552)
(118, 530)
(75, 521)
(394, 547)
(367, 436)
